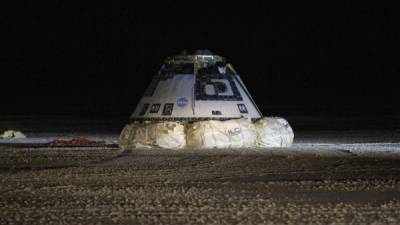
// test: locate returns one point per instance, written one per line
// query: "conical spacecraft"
(196, 87)
(199, 101)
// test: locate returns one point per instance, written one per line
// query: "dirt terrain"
(327, 177)
(106, 185)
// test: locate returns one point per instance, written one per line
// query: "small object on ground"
(76, 142)
(12, 134)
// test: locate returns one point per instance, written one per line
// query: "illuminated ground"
(329, 176)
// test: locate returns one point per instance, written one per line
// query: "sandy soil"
(339, 171)
(108, 186)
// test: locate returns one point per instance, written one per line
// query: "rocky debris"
(12, 134)
(76, 142)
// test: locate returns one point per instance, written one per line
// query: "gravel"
(109, 186)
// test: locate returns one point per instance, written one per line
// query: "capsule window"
(242, 108)
(155, 108)
(216, 112)
(144, 109)
(167, 110)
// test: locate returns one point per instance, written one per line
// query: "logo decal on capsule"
(182, 102)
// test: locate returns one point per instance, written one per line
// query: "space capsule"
(195, 87)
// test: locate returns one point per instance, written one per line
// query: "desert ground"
(329, 176)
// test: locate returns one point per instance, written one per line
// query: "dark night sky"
(294, 58)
